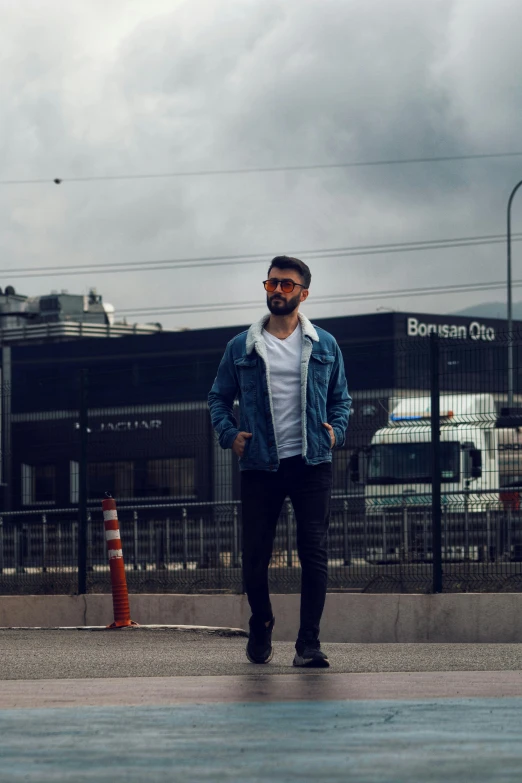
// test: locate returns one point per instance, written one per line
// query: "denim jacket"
(244, 375)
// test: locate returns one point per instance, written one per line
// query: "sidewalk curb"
(202, 629)
(361, 618)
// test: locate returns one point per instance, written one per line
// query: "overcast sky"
(93, 88)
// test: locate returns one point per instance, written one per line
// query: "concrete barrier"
(368, 618)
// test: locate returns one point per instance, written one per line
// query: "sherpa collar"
(255, 333)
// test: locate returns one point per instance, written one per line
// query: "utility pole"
(436, 508)
(509, 301)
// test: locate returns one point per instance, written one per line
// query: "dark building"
(149, 431)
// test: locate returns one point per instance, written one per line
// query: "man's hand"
(331, 433)
(238, 446)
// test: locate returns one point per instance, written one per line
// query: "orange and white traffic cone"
(120, 595)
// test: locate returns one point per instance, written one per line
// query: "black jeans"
(263, 493)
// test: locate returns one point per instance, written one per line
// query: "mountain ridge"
(491, 310)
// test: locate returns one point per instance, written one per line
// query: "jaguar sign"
(130, 426)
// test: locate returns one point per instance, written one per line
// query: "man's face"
(280, 303)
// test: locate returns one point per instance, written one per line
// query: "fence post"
(28, 530)
(235, 541)
(499, 537)
(89, 558)
(44, 543)
(74, 544)
(135, 564)
(59, 553)
(218, 541)
(466, 522)
(82, 486)
(405, 533)
(346, 543)
(16, 547)
(166, 558)
(289, 554)
(365, 536)
(435, 462)
(152, 544)
(185, 538)
(201, 544)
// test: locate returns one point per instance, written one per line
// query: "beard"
(280, 307)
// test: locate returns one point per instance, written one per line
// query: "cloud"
(93, 89)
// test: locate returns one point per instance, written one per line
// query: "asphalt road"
(141, 705)
(34, 655)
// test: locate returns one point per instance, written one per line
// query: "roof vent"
(9, 290)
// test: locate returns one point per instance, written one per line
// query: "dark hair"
(287, 262)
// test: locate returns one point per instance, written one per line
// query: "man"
(293, 410)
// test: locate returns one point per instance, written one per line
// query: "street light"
(509, 302)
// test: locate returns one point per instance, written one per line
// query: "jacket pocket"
(321, 369)
(246, 370)
(321, 366)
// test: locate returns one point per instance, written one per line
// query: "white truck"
(481, 464)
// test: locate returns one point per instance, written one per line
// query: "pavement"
(166, 705)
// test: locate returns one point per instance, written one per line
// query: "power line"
(262, 169)
(219, 261)
(329, 299)
(266, 256)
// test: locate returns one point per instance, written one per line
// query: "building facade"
(149, 435)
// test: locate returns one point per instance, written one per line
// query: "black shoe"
(309, 654)
(259, 647)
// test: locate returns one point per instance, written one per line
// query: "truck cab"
(399, 462)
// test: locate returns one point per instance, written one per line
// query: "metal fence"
(198, 549)
(426, 492)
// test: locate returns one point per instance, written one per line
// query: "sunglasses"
(287, 286)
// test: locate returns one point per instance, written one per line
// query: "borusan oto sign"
(472, 331)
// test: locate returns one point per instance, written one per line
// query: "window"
(397, 463)
(114, 477)
(170, 477)
(38, 484)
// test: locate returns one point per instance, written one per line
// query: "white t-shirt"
(284, 361)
